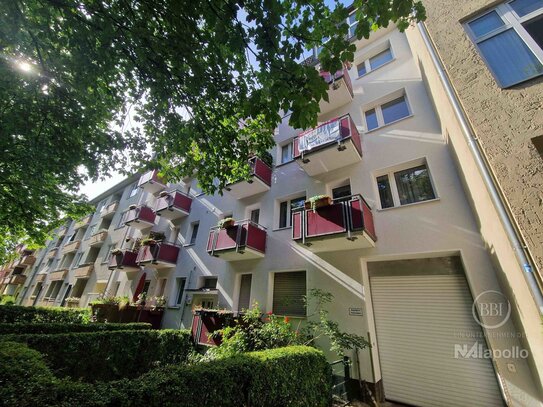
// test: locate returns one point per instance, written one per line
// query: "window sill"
(189, 245)
(408, 205)
(388, 124)
(376, 69)
(279, 229)
(285, 163)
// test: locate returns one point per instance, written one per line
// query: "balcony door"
(244, 299)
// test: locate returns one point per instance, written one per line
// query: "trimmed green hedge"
(108, 355)
(12, 314)
(296, 377)
(60, 328)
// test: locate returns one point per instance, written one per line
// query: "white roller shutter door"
(419, 319)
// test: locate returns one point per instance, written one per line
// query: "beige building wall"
(504, 120)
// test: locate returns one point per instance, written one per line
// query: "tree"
(91, 86)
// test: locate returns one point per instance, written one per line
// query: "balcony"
(340, 90)
(40, 278)
(159, 255)
(173, 205)
(243, 241)
(84, 270)
(83, 222)
(109, 210)
(26, 260)
(71, 247)
(125, 261)
(62, 232)
(140, 217)
(259, 181)
(17, 279)
(150, 182)
(52, 253)
(58, 275)
(343, 225)
(98, 238)
(332, 145)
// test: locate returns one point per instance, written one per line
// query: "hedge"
(295, 377)
(11, 314)
(108, 355)
(59, 328)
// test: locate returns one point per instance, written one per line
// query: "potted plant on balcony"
(158, 236)
(148, 241)
(318, 201)
(163, 194)
(266, 158)
(116, 252)
(226, 223)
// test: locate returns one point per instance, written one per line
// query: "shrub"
(7, 299)
(58, 328)
(19, 314)
(295, 376)
(108, 355)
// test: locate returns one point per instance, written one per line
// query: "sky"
(93, 189)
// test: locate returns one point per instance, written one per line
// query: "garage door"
(419, 318)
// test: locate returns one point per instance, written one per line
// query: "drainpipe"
(490, 184)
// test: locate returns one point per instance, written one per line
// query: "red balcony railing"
(332, 145)
(126, 260)
(159, 254)
(173, 205)
(151, 182)
(206, 322)
(340, 90)
(341, 74)
(140, 217)
(258, 182)
(345, 224)
(244, 240)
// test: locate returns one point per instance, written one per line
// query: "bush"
(7, 299)
(108, 355)
(295, 376)
(59, 328)
(18, 314)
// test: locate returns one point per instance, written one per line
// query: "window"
(286, 208)
(72, 237)
(161, 286)
(180, 285)
(92, 229)
(146, 287)
(387, 113)
(405, 186)
(286, 153)
(101, 206)
(255, 215)
(289, 289)
(342, 193)
(510, 40)
(352, 24)
(210, 283)
(375, 62)
(244, 299)
(134, 190)
(194, 232)
(77, 260)
(108, 253)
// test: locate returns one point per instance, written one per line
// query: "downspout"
(490, 184)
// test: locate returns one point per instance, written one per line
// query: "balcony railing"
(159, 255)
(245, 240)
(151, 182)
(332, 145)
(140, 217)
(40, 278)
(84, 270)
(173, 205)
(26, 261)
(71, 247)
(52, 253)
(58, 275)
(345, 224)
(125, 261)
(98, 238)
(17, 279)
(340, 90)
(109, 210)
(259, 180)
(83, 222)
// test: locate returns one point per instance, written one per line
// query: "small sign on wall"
(356, 312)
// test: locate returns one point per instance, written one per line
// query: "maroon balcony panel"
(256, 237)
(325, 221)
(237, 239)
(174, 200)
(158, 253)
(127, 259)
(140, 214)
(297, 231)
(261, 170)
(151, 176)
(203, 325)
(342, 73)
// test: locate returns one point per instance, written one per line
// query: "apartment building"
(379, 205)
(14, 274)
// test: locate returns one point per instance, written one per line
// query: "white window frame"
(290, 146)
(393, 187)
(110, 248)
(191, 231)
(134, 189)
(176, 295)
(289, 200)
(374, 52)
(379, 113)
(511, 20)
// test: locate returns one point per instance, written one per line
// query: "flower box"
(317, 202)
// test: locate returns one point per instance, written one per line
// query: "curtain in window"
(510, 58)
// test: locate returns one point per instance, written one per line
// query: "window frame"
(289, 210)
(192, 238)
(379, 112)
(289, 145)
(390, 173)
(366, 60)
(511, 20)
(133, 190)
(180, 288)
(273, 286)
